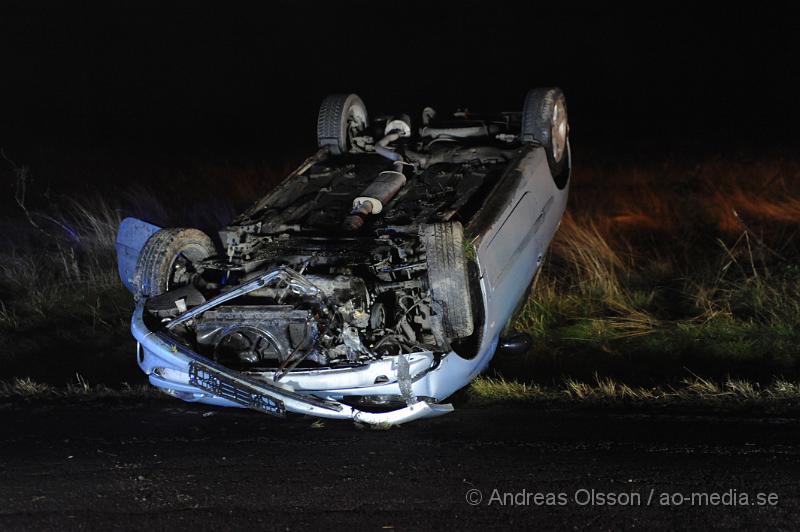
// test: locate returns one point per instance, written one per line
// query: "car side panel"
(511, 249)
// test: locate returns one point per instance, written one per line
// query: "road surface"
(148, 464)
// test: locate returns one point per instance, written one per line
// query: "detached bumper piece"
(217, 383)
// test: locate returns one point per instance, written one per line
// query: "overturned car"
(375, 281)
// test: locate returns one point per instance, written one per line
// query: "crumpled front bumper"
(190, 376)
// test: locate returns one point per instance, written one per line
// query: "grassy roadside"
(666, 279)
(28, 388)
(695, 394)
(691, 391)
(658, 274)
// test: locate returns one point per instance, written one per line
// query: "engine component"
(462, 132)
(342, 288)
(377, 316)
(249, 344)
(169, 304)
(257, 334)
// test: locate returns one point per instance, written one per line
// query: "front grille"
(210, 380)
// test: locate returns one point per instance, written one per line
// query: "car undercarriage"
(356, 278)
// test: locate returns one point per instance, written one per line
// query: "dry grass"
(496, 389)
(64, 268)
(669, 266)
(28, 388)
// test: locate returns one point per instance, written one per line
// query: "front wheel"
(447, 276)
(169, 258)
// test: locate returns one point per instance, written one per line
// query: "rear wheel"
(545, 122)
(341, 118)
(168, 260)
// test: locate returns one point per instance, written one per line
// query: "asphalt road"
(134, 464)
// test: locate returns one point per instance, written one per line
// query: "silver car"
(375, 281)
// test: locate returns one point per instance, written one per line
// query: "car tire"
(168, 258)
(447, 276)
(341, 117)
(545, 122)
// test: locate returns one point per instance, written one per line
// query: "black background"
(204, 82)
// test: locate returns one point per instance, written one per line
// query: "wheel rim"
(559, 129)
(356, 121)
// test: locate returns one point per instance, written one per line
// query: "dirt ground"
(133, 463)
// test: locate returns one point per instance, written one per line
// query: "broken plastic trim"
(404, 380)
(213, 381)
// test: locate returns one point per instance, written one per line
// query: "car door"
(511, 248)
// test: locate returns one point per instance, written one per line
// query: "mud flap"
(132, 235)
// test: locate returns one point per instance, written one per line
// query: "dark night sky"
(199, 80)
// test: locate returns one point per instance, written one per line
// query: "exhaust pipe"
(382, 190)
(375, 196)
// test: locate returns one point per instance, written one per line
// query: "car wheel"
(168, 260)
(341, 118)
(545, 122)
(447, 276)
